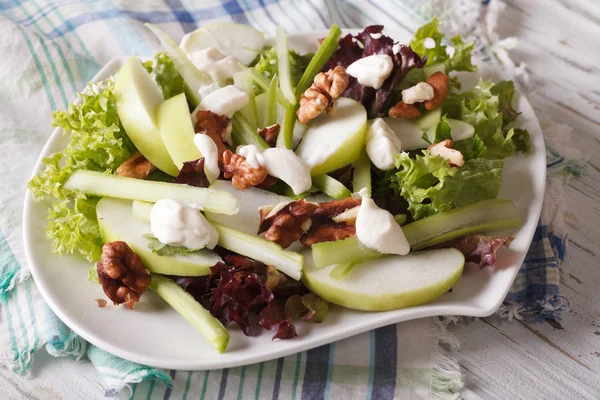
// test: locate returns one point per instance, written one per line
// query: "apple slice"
(336, 139)
(388, 283)
(138, 97)
(177, 131)
(117, 223)
(231, 39)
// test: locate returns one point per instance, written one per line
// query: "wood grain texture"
(559, 41)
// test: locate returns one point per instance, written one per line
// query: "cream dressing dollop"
(225, 101)
(210, 152)
(178, 224)
(382, 145)
(212, 62)
(371, 71)
(377, 229)
(280, 163)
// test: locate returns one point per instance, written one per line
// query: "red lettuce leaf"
(317, 308)
(192, 173)
(480, 249)
(352, 48)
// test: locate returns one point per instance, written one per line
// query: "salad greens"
(164, 73)
(267, 65)
(166, 250)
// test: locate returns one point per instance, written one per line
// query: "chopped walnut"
(404, 111)
(440, 83)
(322, 94)
(122, 274)
(270, 134)
(241, 173)
(136, 166)
(217, 127)
(286, 222)
(101, 303)
(444, 149)
(267, 183)
(332, 221)
(192, 173)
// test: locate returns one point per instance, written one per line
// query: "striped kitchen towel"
(50, 49)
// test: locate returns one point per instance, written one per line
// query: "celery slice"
(283, 64)
(288, 126)
(120, 187)
(361, 178)
(468, 220)
(330, 186)
(242, 81)
(200, 318)
(243, 133)
(341, 270)
(270, 253)
(263, 83)
(271, 108)
(324, 53)
(193, 78)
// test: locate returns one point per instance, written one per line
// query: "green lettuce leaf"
(438, 54)
(505, 91)
(167, 250)
(431, 185)
(267, 64)
(97, 142)
(165, 74)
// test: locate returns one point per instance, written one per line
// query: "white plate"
(154, 334)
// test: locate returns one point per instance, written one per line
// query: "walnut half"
(322, 94)
(286, 222)
(241, 173)
(123, 276)
(332, 221)
(136, 166)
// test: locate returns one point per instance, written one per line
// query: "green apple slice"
(336, 139)
(231, 39)
(177, 131)
(460, 130)
(200, 318)
(138, 97)
(117, 223)
(409, 133)
(388, 283)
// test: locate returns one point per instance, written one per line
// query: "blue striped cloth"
(51, 49)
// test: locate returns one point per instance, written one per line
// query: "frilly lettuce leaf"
(167, 250)
(438, 53)
(505, 91)
(97, 142)
(267, 64)
(165, 74)
(431, 185)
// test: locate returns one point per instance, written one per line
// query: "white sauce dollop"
(382, 145)
(225, 101)
(210, 152)
(429, 43)
(212, 62)
(377, 229)
(177, 224)
(280, 163)
(371, 71)
(419, 93)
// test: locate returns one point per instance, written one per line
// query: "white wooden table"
(560, 42)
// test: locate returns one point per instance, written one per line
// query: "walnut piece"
(440, 83)
(192, 173)
(136, 166)
(217, 127)
(404, 111)
(332, 221)
(101, 303)
(322, 94)
(241, 173)
(286, 222)
(444, 149)
(122, 274)
(270, 134)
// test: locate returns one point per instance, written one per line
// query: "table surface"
(560, 42)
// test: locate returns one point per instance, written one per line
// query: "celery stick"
(200, 318)
(271, 108)
(288, 126)
(192, 77)
(283, 64)
(242, 81)
(341, 270)
(270, 253)
(324, 53)
(361, 178)
(243, 133)
(400, 218)
(263, 83)
(120, 187)
(330, 186)
(475, 218)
